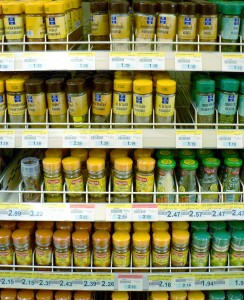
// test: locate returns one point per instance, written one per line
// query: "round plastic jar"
(122, 226)
(237, 249)
(141, 226)
(114, 154)
(1, 22)
(215, 226)
(54, 153)
(82, 154)
(77, 14)
(195, 295)
(101, 249)
(29, 225)
(120, 296)
(140, 249)
(43, 250)
(11, 225)
(64, 225)
(22, 247)
(164, 153)
(2, 101)
(178, 295)
(160, 249)
(8, 294)
(162, 295)
(160, 226)
(216, 295)
(44, 295)
(62, 251)
(107, 226)
(45, 225)
(235, 226)
(6, 247)
(63, 295)
(234, 295)
(200, 250)
(179, 248)
(83, 295)
(180, 225)
(199, 226)
(139, 153)
(81, 249)
(121, 249)
(25, 295)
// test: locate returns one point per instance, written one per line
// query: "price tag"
(122, 61)
(183, 282)
(115, 212)
(43, 283)
(34, 61)
(150, 61)
(174, 211)
(188, 62)
(76, 139)
(7, 138)
(102, 139)
(7, 282)
(215, 211)
(209, 281)
(35, 139)
(232, 62)
(159, 282)
(237, 212)
(128, 138)
(98, 282)
(189, 139)
(237, 281)
(130, 282)
(65, 283)
(7, 62)
(229, 139)
(26, 282)
(81, 61)
(145, 212)
(82, 212)
(57, 60)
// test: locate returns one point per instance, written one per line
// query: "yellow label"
(165, 105)
(16, 104)
(96, 185)
(140, 259)
(56, 104)
(1, 27)
(75, 185)
(160, 259)
(35, 27)
(82, 259)
(43, 257)
(78, 105)
(14, 27)
(101, 104)
(6, 257)
(63, 259)
(121, 259)
(187, 27)
(144, 183)
(2, 104)
(208, 28)
(53, 184)
(101, 259)
(24, 257)
(100, 24)
(122, 185)
(122, 103)
(56, 27)
(120, 26)
(166, 26)
(179, 258)
(76, 18)
(144, 26)
(36, 104)
(142, 105)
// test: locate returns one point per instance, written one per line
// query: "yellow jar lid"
(98, 153)
(44, 236)
(65, 225)
(25, 295)
(158, 76)
(63, 295)
(51, 164)
(159, 295)
(23, 76)
(195, 295)
(120, 296)
(166, 86)
(61, 238)
(122, 226)
(160, 226)
(180, 236)
(95, 164)
(81, 153)
(123, 164)
(116, 153)
(15, 85)
(82, 295)
(1, 9)
(83, 226)
(138, 153)
(178, 295)
(123, 85)
(8, 294)
(44, 295)
(142, 86)
(146, 164)
(45, 225)
(5, 236)
(143, 75)
(71, 163)
(161, 238)
(101, 238)
(1, 86)
(30, 225)
(180, 225)
(76, 4)
(11, 225)
(80, 238)
(54, 7)
(54, 153)
(103, 226)
(21, 236)
(141, 239)
(12, 7)
(121, 239)
(34, 7)
(141, 226)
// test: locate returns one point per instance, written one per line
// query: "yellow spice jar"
(122, 226)
(6, 249)
(101, 249)
(65, 225)
(43, 250)
(180, 225)
(81, 248)
(82, 154)
(178, 295)
(121, 249)
(22, 245)
(195, 295)
(54, 153)
(44, 295)
(25, 295)
(180, 247)
(141, 249)
(107, 226)
(83, 295)
(8, 294)
(160, 249)
(62, 251)
(159, 295)
(141, 226)
(63, 295)
(160, 226)
(120, 296)
(83, 226)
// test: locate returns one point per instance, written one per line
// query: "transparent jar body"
(16, 108)
(121, 257)
(101, 114)
(53, 182)
(96, 182)
(32, 183)
(227, 114)
(62, 257)
(166, 31)
(208, 31)
(205, 105)
(199, 258)
(179, 255)
(187, 32)
(36, 104)
(14, 31)
(187, 183)
(122, 104)
(231, 183)
(35, 31)
(122, 182)
(142, 109)
(229, 31)
(23, 255)
(74, 183)
(140, 257)
(120, 30)
(101, 257)
(57, 109)
(43, 255)
(209, 183)
(82, 256)
(241, 106)
(237, 257)
(2, 108)
(160, 256)
(100, 30)
(144, 183)
(218, 257)
(6, 255)
(164, 109)
(78, 109)
(165, 183)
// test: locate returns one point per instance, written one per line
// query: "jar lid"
(71, 163)
(141, 226)
(15, 85)
(142, 86)
(119, 7)
(30, 166)
(25, 295)
(34, 85)
(8, 294)
(61, 238)
(211, 162)
(166, 164)
(81, 153)
(229, 84)
(51, 164)
(205, 86)
(122, 226)
(180, 225)
(198, 76)
(233, 162)
(44, 295)
(63, 295)
(178, 295)
(187, 8)
(83, 226)
(138, 153)
(217, 226)
(102, 84)
(164, 153)
(123, 164)
(199, 226)
(75, 86)
(180, 236)
(12, 7)
(216, 295)
(161, 238)
(98, 153)
(45, 225)
(189, 164)
(117, 153)
(29, 225)
(55, 85)
(97, 6)
(123, 85)
(34, 7)
(208, 8)
(186, 153)
(201, 239)
(11, 225)
(95, 164)
(145, 7)
(121, 239)
(44, 237)
(76, 4)
(120, 296)
(80, 238)
(162, 295)
(237, 238)
(101, 238)
(231, 8)
(65, 225)
(107, 226)
(235, 226)
(160, 226)
(195, 295)
(141, 239)
(82, 295)
(146, 164)
(54, 153)
(202, 153)
(5, 236)
(168, 7)
(54, 7)
(166, 86)
(221, 238)
(21, 237)
(229, 153)
(234, 295)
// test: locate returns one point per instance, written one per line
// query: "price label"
(81, 61)
(44, 283)
(128, 138)
(237, 214)
(130, 282)
(35, 139)
(76, 139)
(115, 212)
(211, 281)
(66, 284)
(98, 282)
(188, 139)
(158, 282)
(148, 212)
(36, 62)
(188, 62)
(102, 139)
(150, 61)
(236, 282)
(13, 213)
(27, 282)
(171, 215)
(183, 282)
(232, 62)
(7, 138)
(6, 282)
(7, 62)
(83, 212)
(229, 139)
(122, 61)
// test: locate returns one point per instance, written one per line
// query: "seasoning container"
(140, 250)
(160, 249)
(199, 226)
(235, 226)
(54, 153)
(73, 179)
(16, 101)
(45, 225)
(120, 296)
(44, 295)
(96, 181)
(122, 226)
(22, 247)
(139, 153)
(164, 154)
(2, 97)
(195, 295)
(165, 102)
(82, 154)
(179, 248)
(25, 295)
(114, 154)
(178, 295)
(145, 179)
(237, 250)
(165, 181)
(121, 249)
(101, 101)
(6, 247)
(201, 154)
(166, 25)
(81, 249)
(241, 104)
(83, 295)
(77, 102)
(187, 25)
(13, 20)
(145, 24)
(162, 295)
(180, 225)
(8, 294)
(107, 226)
(62, 251)
(122, 102)
(29, 225)
(64, 225)
(63, 295)
(53, 180)
(226, 153)
(1, 23)
(56, 99)
(142, 102)
(141, 226)
(200, 250)
(215, 226)
(120, 25)
(160, 226)
(216, 295)
(43, 250)
(101, 249)
(234, 295)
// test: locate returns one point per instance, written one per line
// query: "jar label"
(144, 183)
(187, 28)
(120, 26)
(121, 259)
(53, 184)
(218, 259)
(208, 28)
(122, 103)
(6, 257)
(56, 104)
(140, 259)
(241, 105)
(35, 27)
(142, 105)
(122, 185)
(199, 259)
(205, 104)
(1, 27)
(96, 185)
(165, 183)
(78, 105)
(160, 259)
(101, 104)
(24, 257)
(230, 27)
(14, 27)
(227, 103)
(82, 259)
(16, 104)
(166, 26)
(56, 28)
(43, 257)
(179, 258)
(100, 24)
(75, 185)
(63, 259)
(2, 104)
(236, 258)
(165, 105)
(36, 104)
(145, 26)
(101, 259)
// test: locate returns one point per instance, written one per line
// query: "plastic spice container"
(165, 180)
(83, 295)
(73, 179)
(6, 247)
(120, 296)
(201, 154)
(162, 295)
(160, 226)
(141, 226)
(122, 226)
(81, 249)
(241, 103)
(142, 102)
(140, 249)
(237, 249)
(215, 226)
(165, 102)
(179, 247)
(16, 101)
(226, 153)
(44, 295)
(62, 251)
(64, 225)
(107, 226)
(13, 20)
(200, 250)
(199, 226)
(180, 225)
(122, 102)
(43, 250)
(101, 249)
(121, 249)
(45, 225)
(242, 24)
(25, 295)
(101, 101)
(187, 25)
(160, 249)
(235, 226)
(164, 154)
(63, 295)
(139, 153)
(1, 22)
(83, 226)
(2, 100)
(195, 295)
(120, 25)
(178, 295)
(53, 180)
(234, 295)
(122, 179)
(145, 179)
(29, 225)
(8, 294)
(216, 295)
(114, 154)
(56, 100)
(22, 247)
(77, 101)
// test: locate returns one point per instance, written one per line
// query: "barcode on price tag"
(81, 61)
(35, 61)
(81, 212)
(116, 212)
(102, 139)
(7, 138)
(150, 61)
(35, 139)
(128, 139)
(76, 139)
(188, 62)
(189, 139)
(183, 282)
(7, 62)
(122, 61)
(130, 282)
(229, 139)
(233, 62)
(145, 212)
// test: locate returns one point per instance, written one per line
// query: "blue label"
(98, 97)
(241, 105)
(17, 98)
(205, 104)
(69, 99)
(29, 99)
(165, 100)
(150, 20)
(54, 98)
(227, 104)
(163, 20)
(52, 21)
(114, 20)
(138, 99)
(1, 99)
(121, 98)
(237, 21)
(187, 21)
(207, 21)
(11, 21)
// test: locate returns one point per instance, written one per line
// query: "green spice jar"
(215, 226)
(199, 226)
(216, 295)
(237, 250)
(200, 250)
(235, 226)
(164, 154)
(225, 153)
(234, 295)
(241, 103)
(201, 154)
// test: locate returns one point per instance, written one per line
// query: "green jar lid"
(234, 295)
(237, 238)
(217, 80)
(221, 238)
(233, 162)
(186, 153)
(202, 153)
(217, 226)
(211, 162)
(205, 86)
(188, 164)
(201, 239)
(229, 84)
(166, 164)
(216, 295)
(198, 76)
(242, 87)
(229, 153)
(235, 226)
(199, 226)
(164, 153)
(231, 8)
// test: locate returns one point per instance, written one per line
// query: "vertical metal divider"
(5, 126)
(221, 197)
(109, 190)
(14, 260)
(170, 261)
(241, 191)
(64, 194)
(72, 262)
(33, 262)
(89, 42)
(132, 116)
(87, 193)
(92, 267)
(53, 261)
(89, 118)
(110, 119)
(154, 191)
(209, 262)
(43, 193)
(47, 124)
(176, 189)
(198, 45)
(26, 126)
(132, 190)
(189, 260)
(153, 119)
(199, 195)
(68, 119)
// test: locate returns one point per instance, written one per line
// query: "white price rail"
(35, 138)
(7, 61)
(82, 212)
(34, 61)
(7, 138)
(229, 139)
(188, 62)
(128, 138)
(159, 282)
(97, 282)
(130, 282)
(81, 61)
(191, 139)
(122, 61)
(233, 62)
(118, 212)
(145, 212)
(213, 281)
(76, 139)
(150, 61)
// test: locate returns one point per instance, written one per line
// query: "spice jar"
(8, 294)
(160, 249)
(1, 23)
(62, 251)
(122, 226)
(235, 226)
(56, 99)
(64, 225)
(25, 295)
(87, 226)
(180, 225)
(45, 225)
(195, 295)
(160, 226)
(83, 295)
(29, 225)
(200, 250)
(140, 249)
(43, 250)
(82, 154)
(179, 248)
(216, 295)
(201, 154)
(77, 14)
(81, 248)
(22, 247)
(164, 154)
(141, 226)
(63, 295)
(6, 247)
(11, 225)
(107, 226)
(16, 101)
(162, 295)
(215, 226)
(234, 295)
(226, 153)
(178, 295)
(199, 226)
(54, 153)
(44, 295)
(237, 250)
(53, 180)
(120, 296)
(101, 249)
(2, 99)
(121, 249)
(114, 154)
